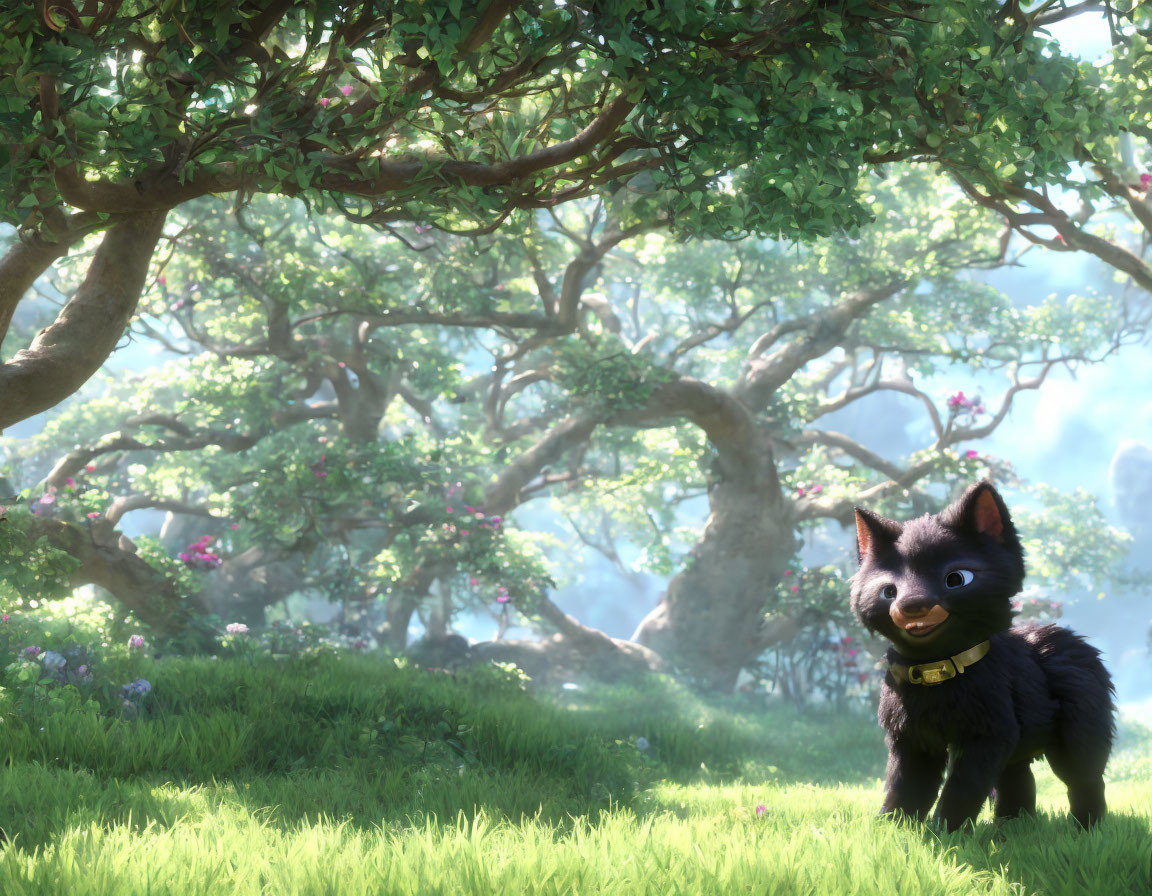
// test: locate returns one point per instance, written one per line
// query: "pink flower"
(795, 589)
(236, 628)
(4, 618)
(346, 90)
(816, 489)
(234, 526)
(1145, 181)
(48, 498)
(94, 515)
(450, 510)
(184, 556)
(90, 468)
(761, 809)
(136, 642)
(162, 280)
(472, 581)
(800, 491)
(463, 531)
(959, 400)
(787, 572)
(324, 101)
(971, 453)
(69, 482)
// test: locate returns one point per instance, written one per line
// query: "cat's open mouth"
(920, 629)
(920, 626)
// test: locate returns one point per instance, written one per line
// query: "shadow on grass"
(739, 738)
(1053, 856)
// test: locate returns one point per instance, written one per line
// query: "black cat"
(963, 688)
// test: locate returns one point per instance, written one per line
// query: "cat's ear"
(873, 530)
(981, 509)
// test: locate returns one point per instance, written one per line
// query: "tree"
(369, 452)
(718, 117)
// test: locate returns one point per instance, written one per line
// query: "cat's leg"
(977, 766)
(1015, 791)
(1083, 773)
(912, 780)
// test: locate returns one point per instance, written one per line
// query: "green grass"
(356, 777)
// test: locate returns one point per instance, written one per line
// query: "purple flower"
(137, 688)
(32, 651)
(1145, 181)
(84, 671)
(761, 809)
(136, 642)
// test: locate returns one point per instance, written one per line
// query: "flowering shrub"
(199, 557)
(825, 658)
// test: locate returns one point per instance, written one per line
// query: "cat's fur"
(1040, 690)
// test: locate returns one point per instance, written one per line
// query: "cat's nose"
(914, 607)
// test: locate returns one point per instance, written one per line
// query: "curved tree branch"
(66, 353)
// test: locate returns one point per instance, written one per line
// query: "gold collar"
(941, 670)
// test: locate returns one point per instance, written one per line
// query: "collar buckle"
(932, 673)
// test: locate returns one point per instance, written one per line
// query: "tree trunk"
(711, 621)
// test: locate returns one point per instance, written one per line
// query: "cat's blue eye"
(958, 578)
(888, 592)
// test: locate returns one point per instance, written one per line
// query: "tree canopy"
(720, 118)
